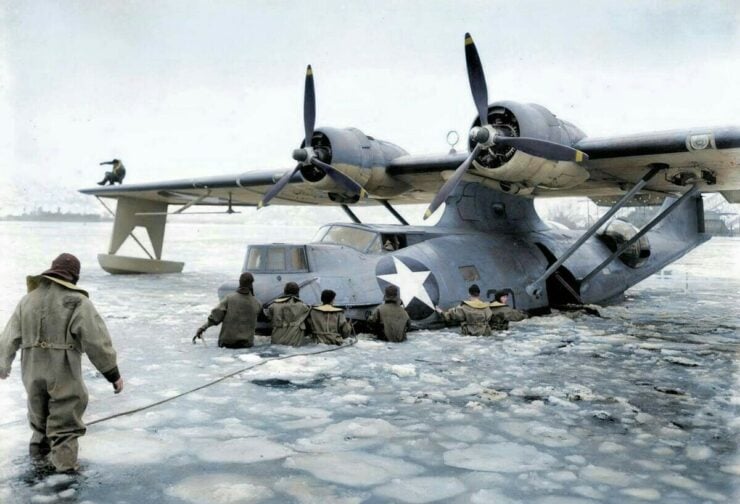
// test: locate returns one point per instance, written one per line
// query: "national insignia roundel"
(417, 285)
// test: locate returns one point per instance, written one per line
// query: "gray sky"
(191, 88)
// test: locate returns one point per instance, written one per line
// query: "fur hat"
(65, 267)
(291, 289)
(391, 293)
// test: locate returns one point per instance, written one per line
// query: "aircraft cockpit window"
(271, 258)
(393, 242)
(298, 259)
(375, 246)
(275, 259)
(349, 236)
(255, 260)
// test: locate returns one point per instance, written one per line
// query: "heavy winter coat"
(328, 325)
(390, 322)
(237, 313)
(54, 324)
(473, 315)
(288, 316)
(502, 314)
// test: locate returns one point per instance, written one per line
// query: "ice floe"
(355, 469)
(500, 457)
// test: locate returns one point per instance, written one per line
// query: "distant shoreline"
(56, 217)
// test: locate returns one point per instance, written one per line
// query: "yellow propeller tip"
(427, 214)
(363, 193)
(468, 40)
(260, 205)
(309, 71)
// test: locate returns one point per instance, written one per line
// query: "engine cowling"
(516, 170)
(359, 156)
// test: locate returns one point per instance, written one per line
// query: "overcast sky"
(191, 88)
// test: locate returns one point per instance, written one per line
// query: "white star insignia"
(410, 283)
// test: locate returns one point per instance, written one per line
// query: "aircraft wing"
(712, 155)
(245, 189)
(614, 164)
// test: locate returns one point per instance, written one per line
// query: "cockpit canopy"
(365, 240)
(276, 258)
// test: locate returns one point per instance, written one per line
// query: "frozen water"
(639, 405)
(421, 489)
(500, 457)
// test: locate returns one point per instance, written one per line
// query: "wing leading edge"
(711, 155)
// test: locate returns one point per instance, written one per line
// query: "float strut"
(394, 212)
(535, 288)
(647, 227)
(131, 233)
(351, 214)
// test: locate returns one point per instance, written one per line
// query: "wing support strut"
(130, 233)
(534, 289)
(351, 214)
(394, 212)
(647, 227)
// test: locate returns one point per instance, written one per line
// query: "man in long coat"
(327, 322)
(237, 313)
(473, 314)
(53, 325)
(288, 316)
(390, 320)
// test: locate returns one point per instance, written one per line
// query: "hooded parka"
(237, 313)
(288, 316)
(328, 324)
(473, 315)
(502, 314)
(390, 321)
(53, 325)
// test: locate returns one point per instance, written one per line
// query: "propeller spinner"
(485, 135)
(306, 155)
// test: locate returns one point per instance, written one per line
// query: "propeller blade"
(544, 149)
(309, 106)
(277, 187)
(340, 178)
(451, 183)
(477, 79)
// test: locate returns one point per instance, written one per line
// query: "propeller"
(307, 155)
(485, 135)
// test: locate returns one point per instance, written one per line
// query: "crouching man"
(53, 325)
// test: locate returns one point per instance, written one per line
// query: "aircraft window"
(375, 246)
(275, 259)
(298, 259)
(469, 273)
(255, 259)
(352, 237)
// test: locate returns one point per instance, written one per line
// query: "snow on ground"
(637, 406)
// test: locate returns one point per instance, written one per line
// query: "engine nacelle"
(515, 169)
(361, 157)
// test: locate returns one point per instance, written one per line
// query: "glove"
(199, 334)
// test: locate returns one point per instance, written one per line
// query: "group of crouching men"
(55, 323)
(295, 323)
